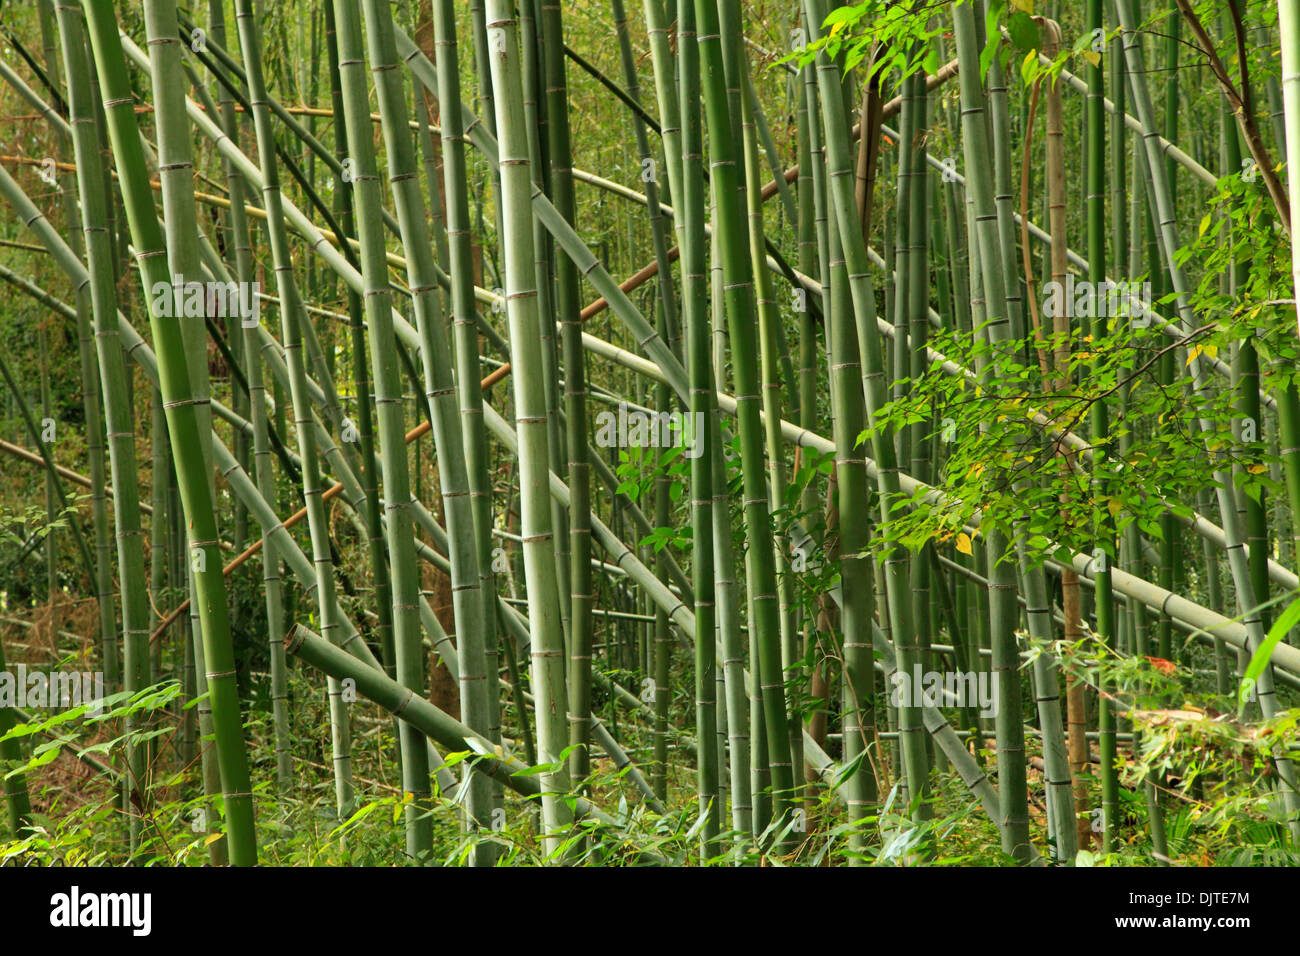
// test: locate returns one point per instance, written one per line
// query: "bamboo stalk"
(185, 429)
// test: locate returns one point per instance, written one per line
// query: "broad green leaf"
(1259, 660)
(1024, 31)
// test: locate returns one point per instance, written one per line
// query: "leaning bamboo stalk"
(430, 721)
(85, 481)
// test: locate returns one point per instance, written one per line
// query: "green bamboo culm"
(1095, 201)
(1288, 23)
(181, 235)
(526, 358)
(364, 182)
(690, 223)
(293, 319)
(183, 425)
(741, 317)
(464, 322)
(18, 804)
(568, 310)
(113, 377)
(1004, 617)
(848, 224)
(440, 393)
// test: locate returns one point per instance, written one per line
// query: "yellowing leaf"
(1024, 6)
(213, 838)
(1114, 506)
(1093, 57)
(1257, 469)
(963, 542)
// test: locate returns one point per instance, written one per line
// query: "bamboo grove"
(686, 432)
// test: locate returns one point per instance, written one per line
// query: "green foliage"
(854, 30)
(1219, 771)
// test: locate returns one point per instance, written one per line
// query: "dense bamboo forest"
(679, 433)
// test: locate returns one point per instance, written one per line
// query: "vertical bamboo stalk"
(1006, 659)
(184, 421)
(530, 418)
(1288, 22)
(760, 565)
(293, 319)
(409, 657)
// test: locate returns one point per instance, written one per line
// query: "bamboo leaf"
(1259, 660)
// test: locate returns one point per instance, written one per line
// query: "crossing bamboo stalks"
(855, 451)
